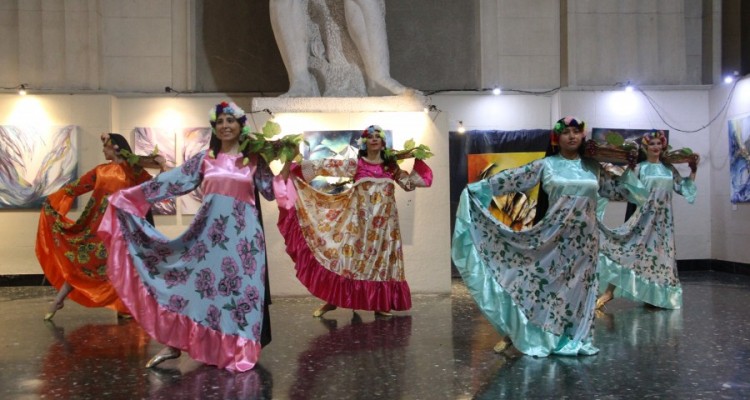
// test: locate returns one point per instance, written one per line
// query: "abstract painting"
(163, 140)
(739, 159)
(35, 162)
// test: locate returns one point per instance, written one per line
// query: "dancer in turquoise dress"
(538, 286)
(638, 257)
(202, 292)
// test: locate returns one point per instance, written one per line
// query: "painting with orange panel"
(516, 210)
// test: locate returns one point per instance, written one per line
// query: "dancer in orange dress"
(72, 256)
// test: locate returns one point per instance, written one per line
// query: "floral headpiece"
(371, 131)
(125, 154)
(560, 126)
(230, 108)
(654, 135)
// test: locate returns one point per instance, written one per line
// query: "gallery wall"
(426, 236)
(730, 223)
(712, 228)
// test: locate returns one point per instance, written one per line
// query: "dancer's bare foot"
(323, 309)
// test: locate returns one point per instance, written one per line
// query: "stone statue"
(334, 48)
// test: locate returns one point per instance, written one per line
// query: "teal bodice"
(569, 177)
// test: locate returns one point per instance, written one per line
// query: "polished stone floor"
(441, 349)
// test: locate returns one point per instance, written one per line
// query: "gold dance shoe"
(323, 309)
(48, 316)
(502, 345)
(383, 314)
(602, 300)
(162, 356)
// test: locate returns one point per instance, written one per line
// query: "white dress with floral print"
(638, 257)
(538, 286)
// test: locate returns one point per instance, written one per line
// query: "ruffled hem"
(167, 327)
(633, 287)
(86, 292)
(497, 305)
(333, 288)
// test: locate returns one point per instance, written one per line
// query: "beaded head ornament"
(560, 126)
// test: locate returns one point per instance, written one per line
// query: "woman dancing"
(638, 257)
(347, 246)
(538, 286)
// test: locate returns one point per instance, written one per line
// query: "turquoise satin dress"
(638, 257)
(539, 286)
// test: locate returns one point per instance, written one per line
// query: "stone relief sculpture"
(334, 48)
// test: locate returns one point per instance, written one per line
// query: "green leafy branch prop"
(411, 150)
(147, 161)
(284, 149)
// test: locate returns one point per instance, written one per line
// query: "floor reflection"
(85, 361)
(440, 349)
(209, 382)
(356, 359)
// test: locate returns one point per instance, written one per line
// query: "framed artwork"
(35, 162)
(739, 159)
(318, 145)
(163, 140)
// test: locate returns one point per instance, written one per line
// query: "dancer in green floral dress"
(538, 286)
(638, 257)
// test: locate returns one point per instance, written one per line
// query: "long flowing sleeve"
(264, 179)
(63, 198)
(178, 181)
(684, 186)
(621, 188)
(420, 176)
(511, 180)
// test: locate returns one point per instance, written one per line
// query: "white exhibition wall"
(424, 214)
(730, 223)
(683, 109)
(426, 238)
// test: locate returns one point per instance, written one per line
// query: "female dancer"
(347, 246)
(204, 291)
(638, 257)
(73, 259)
(539, 286)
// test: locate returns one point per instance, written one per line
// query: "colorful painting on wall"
(318, 145)
(35, 163)
(516, 210)
(163, 141)
(739, 159)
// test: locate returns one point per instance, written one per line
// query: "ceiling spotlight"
(22, 89)
(461, 128)
(496, 91)
(731, 77)
(629, 88)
